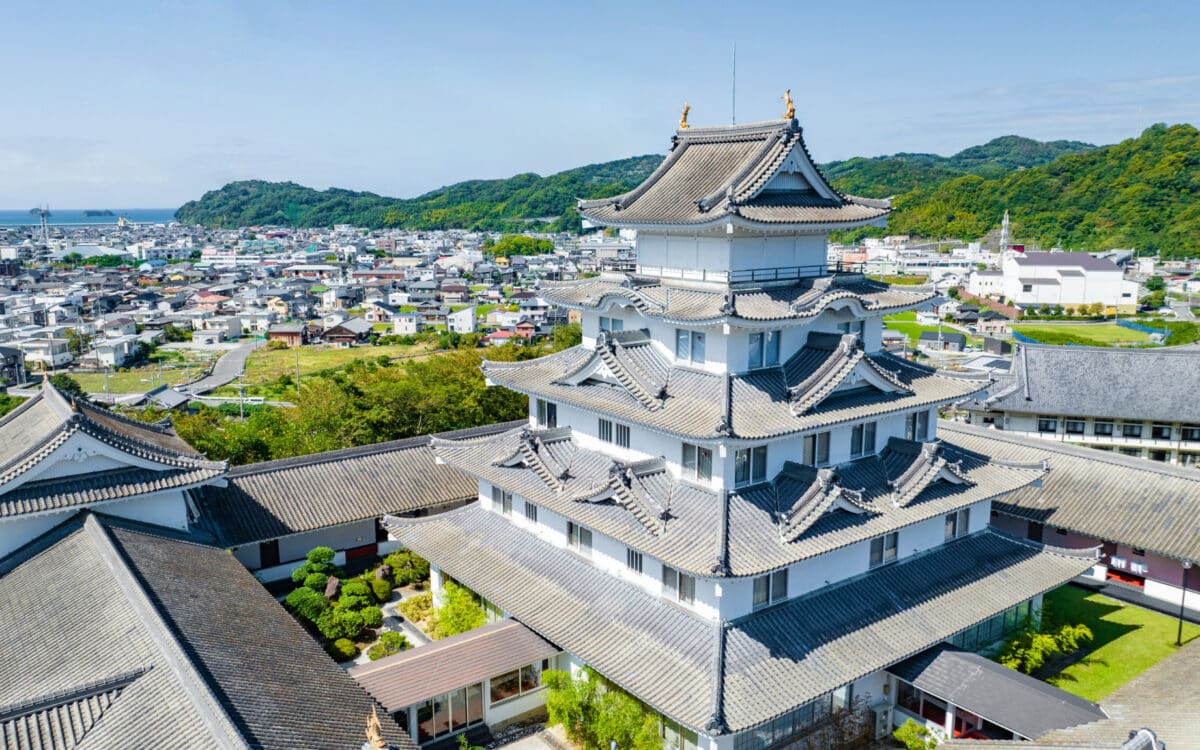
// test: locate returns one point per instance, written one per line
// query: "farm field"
(1083, 334)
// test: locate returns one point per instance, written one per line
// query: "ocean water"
(74, 216)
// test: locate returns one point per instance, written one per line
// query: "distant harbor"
(86, 217)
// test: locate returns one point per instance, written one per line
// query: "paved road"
(1182, 311)
(226, 370)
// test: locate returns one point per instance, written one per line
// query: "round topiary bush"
(389, 643)
(343, 649)
(307, 604)
(382, 588)
(316, 581)
(372, 616)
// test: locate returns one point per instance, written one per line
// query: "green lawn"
(1086, 334)
(175, 371)
(266, 366)
(901, 280)
(1128, 641)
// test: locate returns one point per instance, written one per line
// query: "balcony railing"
(752, 275)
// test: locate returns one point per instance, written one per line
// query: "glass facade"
(794, 724)
(449, 712)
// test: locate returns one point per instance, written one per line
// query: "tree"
(336, 622)
(318, 560)
(519, 244)
(68, 386)
(566, 336)
(389, 643)
(1155, 284)
(459, 612)
(407, 567)
(307, 603)
(915, 736)
(593, 712)
(78, 342)
(173, 333)
(1037, 641)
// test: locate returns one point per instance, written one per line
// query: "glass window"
(951, 525)
(506, 686)
(1131, 430)
(916, 425)
(764, 349)
(822, 448)
(531, 678)
(1102, 428)
(779, 585)
(579, 537)
(670, 581)
(862, 439)
(530, 512)
(1047, 424)
(1190, 433)
(502, 499)
(683, 344)
(547, 413)
(458, 708)
(697, 462)
(750, 465)
(697, 348)
(611, 324)
(1160, 431)
(425, 730)
(633, 559)
(475, 703)
(606, 430)
(883, 548)
(1073, 426)
(623, 435)
(687, 589)
(816, 449)
(762, 591)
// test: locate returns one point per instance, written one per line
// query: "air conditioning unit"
(883, 720)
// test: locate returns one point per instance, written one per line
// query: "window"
(1027, 287)
(676, 737)
(449, 712)
(1131, 430)
(1139, 552)
(883, 548)
(611, 324)
(502, 499)
(750, 465)
(1135, 452)
(689, 346)
(1160, 431)
(1073, 427)
(623, 435)
(606, 430)
(916, 425)
(697, 462)
(633, 559)
(958, 524)
(530, 512)
(678, 586)
(862, 439)
(268, 554)
(816, 449)
(517, 682)
(1102, 429)
(1047, 424)
(851, 326)
(770, 588)
(579, 538)
(547, 413)
(1190, 433)
(764, 349)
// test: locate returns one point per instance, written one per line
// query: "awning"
(465, 659)
(1001, 695)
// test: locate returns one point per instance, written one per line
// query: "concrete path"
(226, 369)
(1182, 311)
(393, 621)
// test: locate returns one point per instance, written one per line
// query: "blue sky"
(148, 105)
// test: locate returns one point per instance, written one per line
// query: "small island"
(103, 212)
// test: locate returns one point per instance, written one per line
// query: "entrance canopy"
(1003, 696)
(428, 671)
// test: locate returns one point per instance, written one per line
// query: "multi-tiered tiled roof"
(801, 513)
(722, 174)
(630, 378)
(693, 304)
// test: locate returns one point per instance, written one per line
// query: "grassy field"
(175, 371)
(1128, 641)
(905, 323)
(901, 280)
(1084, 334)
(265, 367)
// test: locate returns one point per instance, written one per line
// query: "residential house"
(12, 366)
(407, 324)
(942, 341)
(292, 334)
(349, 332)
(1072, 280)
(461, 321)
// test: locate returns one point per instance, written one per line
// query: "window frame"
(1047, 424)
(579, 538)
(862, 439)
(692, 469)
(1157, 428)
(750, 465)
(1074, 426)
(690, 346)
(604, 429)
(546, 414)
(1132, 430)
(889, 550)
(764, 349)
(503, 499)
(957, 524)
(531, 512)
(622, 434)
(611, 324)
(1103, 428)
(634, 560)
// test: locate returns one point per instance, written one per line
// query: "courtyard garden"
(1126, 641)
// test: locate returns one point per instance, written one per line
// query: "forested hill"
(1142, 193)
(527, 202)
(883, 176)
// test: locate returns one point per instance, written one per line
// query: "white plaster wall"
(20, 530)
(1172, 594)
(81, 454)
(284, 570)
(778, 252)
(511, 708)
(338, 538)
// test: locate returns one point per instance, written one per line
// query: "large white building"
(728, 499)
(1067, 279)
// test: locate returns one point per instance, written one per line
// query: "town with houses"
(782, 493)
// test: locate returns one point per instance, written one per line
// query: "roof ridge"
(357, 451)
(56, 698)
(160, 632)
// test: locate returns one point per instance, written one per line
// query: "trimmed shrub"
(356, 594)
(343, 649)
(307, 604)
(460, 612)
(382, 589)
(372, 616)
(915, 736)
(389, 643)
(316, 582)
(318, 560)
(336, 622)
(417, 608)
(407, 567)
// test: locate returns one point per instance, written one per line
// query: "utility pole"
(241, 400)
(298, 373)
(1187, 565)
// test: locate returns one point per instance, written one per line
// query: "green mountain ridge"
(1139, 193)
